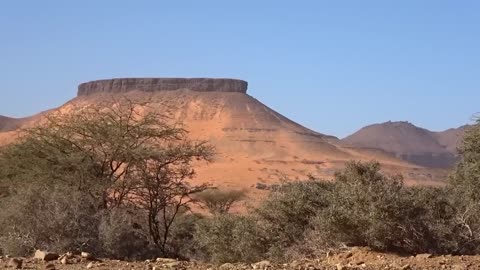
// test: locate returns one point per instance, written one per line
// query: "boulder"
(46, 256)
(86, 255)
(261, 186)
(172, 264)
(15, 263)
(50, 266)
(64, 260)
(262, 265)
(424, 256)
(165, 260)
(227, 266)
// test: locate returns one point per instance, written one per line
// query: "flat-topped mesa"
(123, 85)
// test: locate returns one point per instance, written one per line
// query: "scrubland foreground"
(113, 182)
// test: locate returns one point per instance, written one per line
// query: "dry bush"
(181, 243)
(122, 237)
(58, 219)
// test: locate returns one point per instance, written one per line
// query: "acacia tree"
(218, 201)
(163, 191)
(117, 152)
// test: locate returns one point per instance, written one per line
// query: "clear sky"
(333, 66)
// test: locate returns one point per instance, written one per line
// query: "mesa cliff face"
(124, 85)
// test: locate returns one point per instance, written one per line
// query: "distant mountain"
(411, 143)
(9, 124)
(450, 138)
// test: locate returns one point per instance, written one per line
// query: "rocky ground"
(350, 259)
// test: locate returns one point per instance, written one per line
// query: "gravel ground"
(349, 259)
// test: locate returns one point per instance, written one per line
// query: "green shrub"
(429, 221)
(365, 207)
(361, 207)
(465, 188)
(288, 212)
(229, 238)
(369, 208)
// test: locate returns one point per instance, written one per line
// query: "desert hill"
(255, 144)
(450, 138)
(410, 143)
(9, 124)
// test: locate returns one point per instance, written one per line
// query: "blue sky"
(333, 66)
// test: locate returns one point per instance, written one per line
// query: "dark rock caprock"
(123, 85)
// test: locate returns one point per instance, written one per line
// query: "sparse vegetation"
(114, 181)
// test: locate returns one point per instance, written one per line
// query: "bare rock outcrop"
(123, 85)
